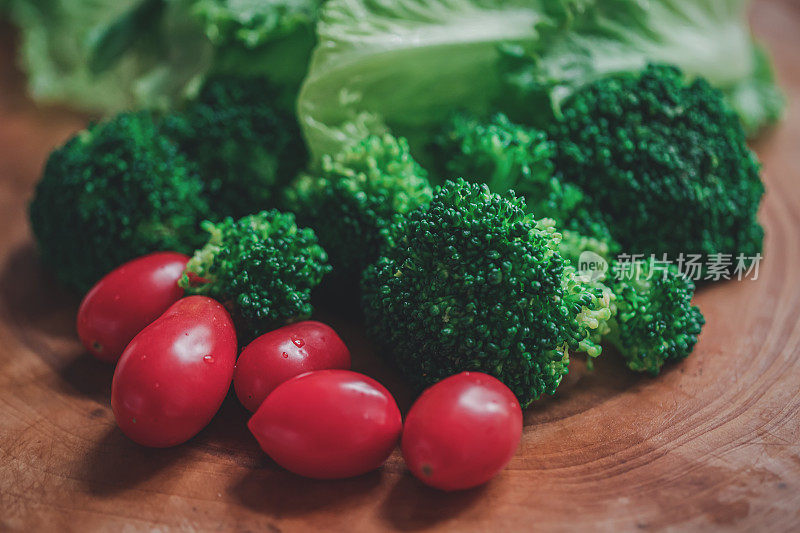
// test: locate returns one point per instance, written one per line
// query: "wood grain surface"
(714, 442)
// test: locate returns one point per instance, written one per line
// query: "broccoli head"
(665, 162)
(509, 156)
(654, 320)
(262, 267)
(246, 143)
(353, 200)
(113, 192)
(472, 282)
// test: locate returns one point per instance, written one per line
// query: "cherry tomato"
(328, 424)
(126, 300)
(284, 353)
(462, 431)
(173, 376)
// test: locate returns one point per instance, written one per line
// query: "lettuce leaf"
(261, 37)
(757, 99)
(104, 55)
(412, 62)
(708, 38)
(56, 49)
(405, 64)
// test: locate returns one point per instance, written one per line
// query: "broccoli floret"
(573, 244)
(665, 161)
(652, 318)
(510, 156)
(654, 321)
(262, 267)
(113, 192)
(247, 144)
(352, 202)
(472, 282)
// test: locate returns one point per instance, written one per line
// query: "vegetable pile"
(501, 187)
(311, 414)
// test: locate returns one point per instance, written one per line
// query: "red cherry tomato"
(126, 300)
(284, 353)
(462, 431)
(173, 376)
(328, 424)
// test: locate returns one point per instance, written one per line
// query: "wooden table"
(714, 442)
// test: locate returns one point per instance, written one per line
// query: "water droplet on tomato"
(285, 355)
(208, 359)
(297, 341)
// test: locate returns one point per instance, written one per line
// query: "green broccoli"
(352, 202)
(262, 267)
(653, 319)
(472, 282)
(247, 144)
(665, 161)
(115, 191)
(511, 156)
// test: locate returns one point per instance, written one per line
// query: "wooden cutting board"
(714, 442)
